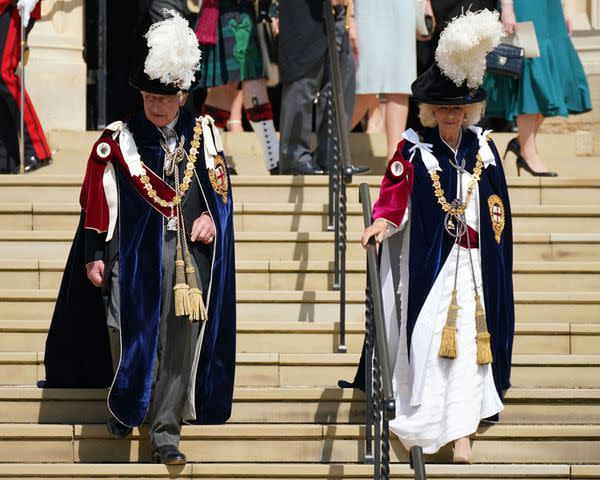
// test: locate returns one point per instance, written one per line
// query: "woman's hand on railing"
(378, 230)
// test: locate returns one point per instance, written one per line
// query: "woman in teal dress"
(552, 84)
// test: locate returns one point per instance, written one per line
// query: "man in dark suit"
(304, 72)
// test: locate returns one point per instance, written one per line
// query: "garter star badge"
(397, 169)
(497, 215)
(218, 178)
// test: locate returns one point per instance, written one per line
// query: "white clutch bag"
(525, 38)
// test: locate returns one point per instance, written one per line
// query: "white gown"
(437, 399)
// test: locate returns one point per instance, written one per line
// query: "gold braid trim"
(439, 192)
(187, 174)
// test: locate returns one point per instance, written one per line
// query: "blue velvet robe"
(430, 246)
(75, 359)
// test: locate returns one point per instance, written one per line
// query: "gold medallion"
(218, 178)
(497, 215)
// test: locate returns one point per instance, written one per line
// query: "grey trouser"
(176, 345)
(297, 99)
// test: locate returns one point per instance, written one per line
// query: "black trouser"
(297, 102)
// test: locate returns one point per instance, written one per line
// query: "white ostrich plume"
(174, 54)
(464, 44)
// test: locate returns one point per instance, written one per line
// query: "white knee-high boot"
(261, 120)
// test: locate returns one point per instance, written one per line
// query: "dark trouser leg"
(295, 124)
(176, 344)
(348, 71)
(113, 318)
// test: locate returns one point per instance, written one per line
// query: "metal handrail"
(380, 400)
(375, 287)
(337, 181)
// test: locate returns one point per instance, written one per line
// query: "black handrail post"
(341, 158)
(381, 335)
(417, 463)
(369, 324)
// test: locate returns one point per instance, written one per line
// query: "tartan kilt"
(236, 56)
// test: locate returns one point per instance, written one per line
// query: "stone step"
(243, 151)
(298, 189)
(318, 275)
(311, 217)
(290, 471)
(323, 369)
(319, 306)
(292, 405)
(303, 337)
(263, 443)
(308, 246)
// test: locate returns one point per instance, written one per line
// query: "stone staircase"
(289, 420)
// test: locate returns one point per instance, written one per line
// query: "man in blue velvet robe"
(156, 240)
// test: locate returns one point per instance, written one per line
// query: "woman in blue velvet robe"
(444, 221)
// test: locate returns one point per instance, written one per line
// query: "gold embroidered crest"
(218, 178)
(497, 215)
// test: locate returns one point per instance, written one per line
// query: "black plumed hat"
(456, 76)
(435, 88)
(168, 61)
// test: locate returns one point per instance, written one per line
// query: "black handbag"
(506, 60)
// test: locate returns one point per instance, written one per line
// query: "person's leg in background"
(260, 115)
(235, 118)
(324, 150)
(396, 114)
(528, 128)
(295, 124)
(37, 151)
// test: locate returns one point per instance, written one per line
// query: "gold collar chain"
(439, 192)
(187, 175)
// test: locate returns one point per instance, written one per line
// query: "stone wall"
(56, 72)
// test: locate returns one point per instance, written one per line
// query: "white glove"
(25, 8)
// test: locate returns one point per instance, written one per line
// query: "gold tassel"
(181, 289)
(197, 309)
(448, 345)
(484, 348)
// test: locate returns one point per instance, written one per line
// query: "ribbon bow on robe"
(487, 156)
(429, 160)
(212, 140)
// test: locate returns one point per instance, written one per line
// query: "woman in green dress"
(227, 31)
(552, 84)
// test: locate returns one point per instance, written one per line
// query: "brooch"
(497, 215)
(218, 178)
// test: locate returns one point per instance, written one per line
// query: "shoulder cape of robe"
(428, 245)
(77, 349)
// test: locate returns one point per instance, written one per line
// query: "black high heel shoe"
(513, 146)
(522, 164)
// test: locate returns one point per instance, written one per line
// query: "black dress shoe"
(274, 170)
(306, 168)
(117, 429)
(32, 164)
(355, 170)
(231, 170)
(168, 455)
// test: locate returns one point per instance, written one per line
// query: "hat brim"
(480, 95)
(141, 81)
